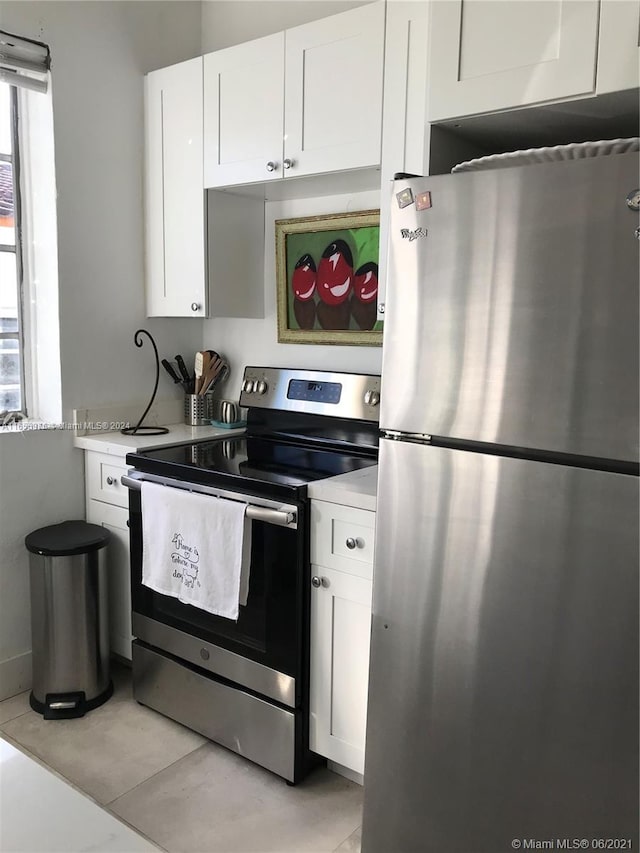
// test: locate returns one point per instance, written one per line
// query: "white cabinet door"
(243, 112)
(333, 92)
(405, 140)
(488, 55)
(340, 637)
(618, 46)
(114, 519)
(174, 194)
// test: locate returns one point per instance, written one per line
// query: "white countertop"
(357, 488)
(118, 444)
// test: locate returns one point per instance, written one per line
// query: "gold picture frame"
(327, 279)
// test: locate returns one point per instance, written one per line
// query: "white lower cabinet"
(114, 519)
(341, 592)
(103, 472)
(340, 635)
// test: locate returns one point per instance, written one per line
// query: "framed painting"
(327, 279)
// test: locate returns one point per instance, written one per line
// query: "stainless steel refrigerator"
(503, 697)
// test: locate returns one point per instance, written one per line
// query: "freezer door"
(512, 308)
(503, 694)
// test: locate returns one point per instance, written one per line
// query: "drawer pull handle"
(112, 481)
(352, 543)
(317, 582)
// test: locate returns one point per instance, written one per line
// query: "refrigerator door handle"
(398, 435)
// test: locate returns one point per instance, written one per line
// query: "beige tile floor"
(184, 793)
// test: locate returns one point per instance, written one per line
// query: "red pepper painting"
(327, 278)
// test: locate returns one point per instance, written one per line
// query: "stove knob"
(248, 386)
(372, 398)
(261, 387)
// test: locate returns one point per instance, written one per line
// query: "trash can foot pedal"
(66, 706)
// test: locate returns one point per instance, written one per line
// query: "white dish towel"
(196, 548)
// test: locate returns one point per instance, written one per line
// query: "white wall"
(38, 486)
(100, 51)
(228, 22)
(254, 342)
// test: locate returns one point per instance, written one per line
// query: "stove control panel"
(257, 386)
(342, 395)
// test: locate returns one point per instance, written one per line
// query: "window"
(30, 380)
(12, 398)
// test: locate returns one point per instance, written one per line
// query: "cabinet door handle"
(317, 582)
(195, 306)
(288, 163)
(112, 481)
(352, 543)
(271, 166)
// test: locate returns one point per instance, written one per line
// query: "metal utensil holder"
(198, 409)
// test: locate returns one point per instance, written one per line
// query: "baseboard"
(347, 772)
(15, 675)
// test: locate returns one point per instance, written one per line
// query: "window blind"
(24, 62)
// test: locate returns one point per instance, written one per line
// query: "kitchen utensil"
(200, 365)
(217, 371)
(198, 409)
(182, 367)
(169, 368)
(217, 379)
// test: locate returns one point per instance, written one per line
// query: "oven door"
(264, 650)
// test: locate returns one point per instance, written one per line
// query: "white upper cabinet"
(174, 197)
(333, 92)
(303, 102)
(405, 141)
(489, 55)
(243, 112)
(619, 46)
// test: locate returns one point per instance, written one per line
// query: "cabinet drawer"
(103, 479)
(342, 538)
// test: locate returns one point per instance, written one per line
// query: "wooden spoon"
(201, 365)
(216, 366)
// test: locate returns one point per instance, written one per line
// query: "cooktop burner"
(249, 458)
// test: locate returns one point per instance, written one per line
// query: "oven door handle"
(282, 517)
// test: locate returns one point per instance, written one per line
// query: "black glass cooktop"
(254, 463)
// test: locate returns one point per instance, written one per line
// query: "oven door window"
(267, 629)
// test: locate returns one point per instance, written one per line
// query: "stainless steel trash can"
(69, 619)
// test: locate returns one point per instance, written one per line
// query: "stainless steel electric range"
(245, 684)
